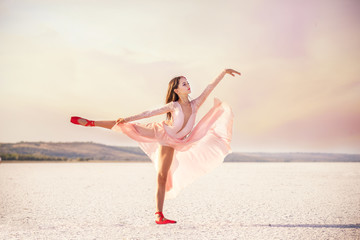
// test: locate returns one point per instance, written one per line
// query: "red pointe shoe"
(163, 220)
(75, 120)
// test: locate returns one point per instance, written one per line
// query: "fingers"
(237, 72)
(231, 72)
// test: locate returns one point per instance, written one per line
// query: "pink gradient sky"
(300, 65)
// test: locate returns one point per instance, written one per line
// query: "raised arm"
(149, 113)
(201, 99)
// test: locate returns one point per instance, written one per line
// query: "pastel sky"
(300, 65)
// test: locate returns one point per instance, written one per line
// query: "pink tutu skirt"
(202, 150)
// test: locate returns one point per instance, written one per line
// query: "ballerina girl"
(180, 151)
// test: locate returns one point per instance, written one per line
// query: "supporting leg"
(165, 160)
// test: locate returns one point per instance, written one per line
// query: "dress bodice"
(177, 129)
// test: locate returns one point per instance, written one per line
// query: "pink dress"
(197, 150)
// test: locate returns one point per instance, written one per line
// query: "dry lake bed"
(236, 201)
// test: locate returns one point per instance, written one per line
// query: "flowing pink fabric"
(197, 150)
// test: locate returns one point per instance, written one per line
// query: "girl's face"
(183, 87)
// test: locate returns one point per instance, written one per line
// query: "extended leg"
(105, 124)
(86, 122)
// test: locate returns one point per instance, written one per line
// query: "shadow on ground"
(309, 225)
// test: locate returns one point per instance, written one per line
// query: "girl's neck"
(183, 99)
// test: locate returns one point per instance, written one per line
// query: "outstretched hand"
(231, 72)
(120, 120)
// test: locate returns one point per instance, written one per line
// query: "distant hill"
(70, 151)
(292, 157)
(87, 151)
